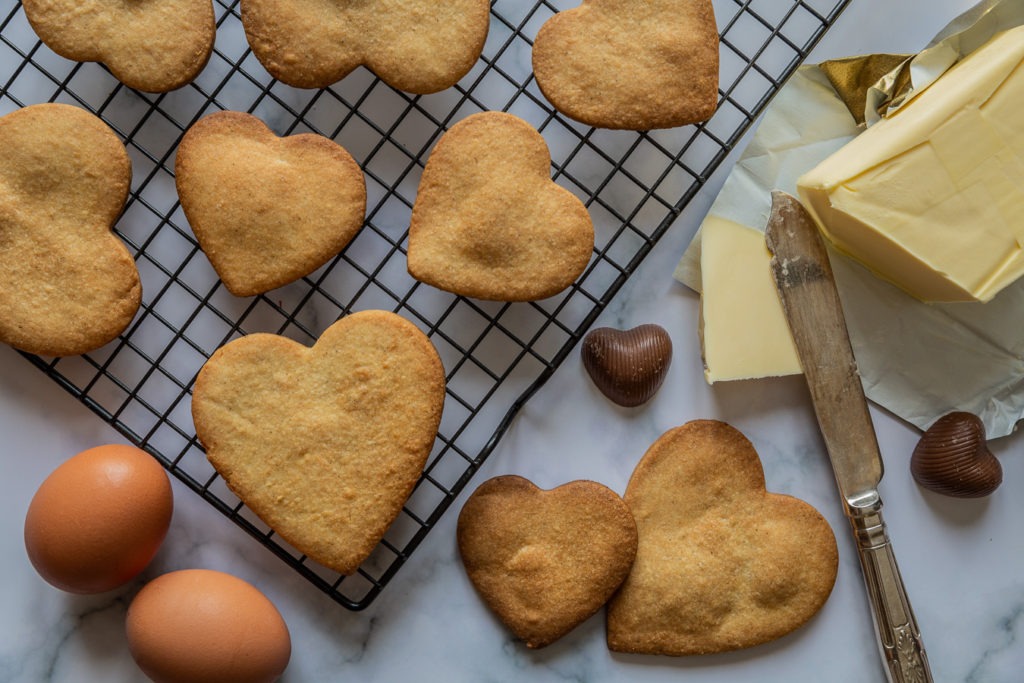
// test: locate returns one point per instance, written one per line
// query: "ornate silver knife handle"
(803, 278)
(899, 636)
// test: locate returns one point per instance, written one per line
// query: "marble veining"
(1001, 659)
(962, 560)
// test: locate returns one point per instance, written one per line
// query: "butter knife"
(807, 289)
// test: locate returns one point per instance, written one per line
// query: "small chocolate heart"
(628, 366)
(952, 458)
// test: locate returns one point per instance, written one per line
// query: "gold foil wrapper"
(851, 78)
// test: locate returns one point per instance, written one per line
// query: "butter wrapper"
(919, 361)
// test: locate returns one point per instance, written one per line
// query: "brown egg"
(203, 626)
(98, 519)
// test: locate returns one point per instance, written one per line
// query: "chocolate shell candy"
(628, 366)
(952, 458)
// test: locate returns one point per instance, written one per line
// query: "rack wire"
(496, 355)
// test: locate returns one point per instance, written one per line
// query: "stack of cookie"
(697, 558)
(325, 444)
(487, 222)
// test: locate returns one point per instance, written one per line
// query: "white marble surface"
(963, 561)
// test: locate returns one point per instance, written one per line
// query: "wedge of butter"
(744, 333)
(932, 198)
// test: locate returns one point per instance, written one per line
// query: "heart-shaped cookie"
(627, 366)
(67, 284)
(722, 564)
(489, 223)
(545, 561)
(633, 64)
(420, 46)
(266, 210)
(952, 458)
(324, 444)
(150, 46)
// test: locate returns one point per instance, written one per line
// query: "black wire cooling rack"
(495, 354)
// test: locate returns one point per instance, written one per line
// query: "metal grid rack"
(495, 354)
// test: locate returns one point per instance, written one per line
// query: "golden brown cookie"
(633, 64)
(420, 46)
(266, 210)
(150, 46)
(68, 285)
(722, 564)
(545, 561)
(324, 444)
(489, 223)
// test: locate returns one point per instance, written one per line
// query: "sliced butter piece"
(744, 333)
(932, 198)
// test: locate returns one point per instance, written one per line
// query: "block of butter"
(744, 333)
(932, 198)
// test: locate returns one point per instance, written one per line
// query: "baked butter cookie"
(68, 285)
(266, 210)
(545, 561)
(150, 46)
(324, 444)
(632, 64)
(420, 46)
(721, 564)
(488, 221)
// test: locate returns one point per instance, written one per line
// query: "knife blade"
(803, 277)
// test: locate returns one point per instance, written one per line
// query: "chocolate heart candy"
(628, 366)
(952, 458)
